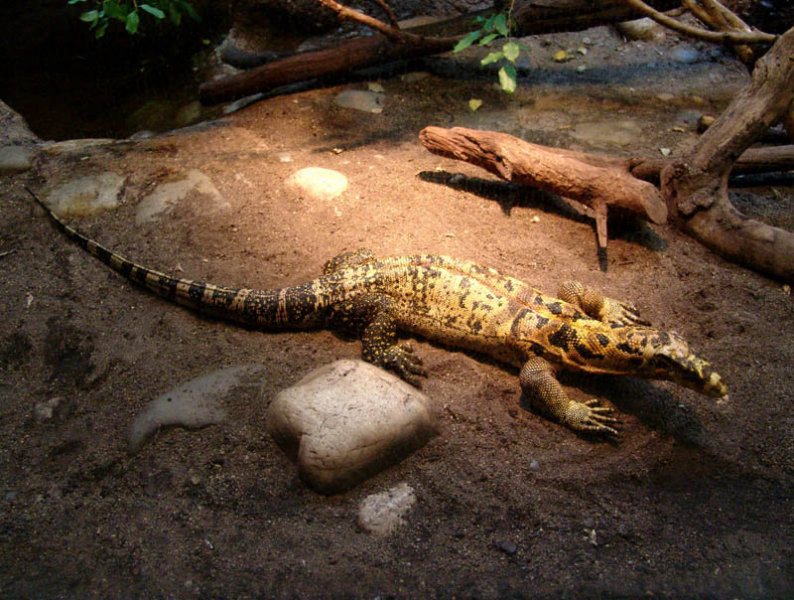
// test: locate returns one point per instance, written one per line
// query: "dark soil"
(693, 501)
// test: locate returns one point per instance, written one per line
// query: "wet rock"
(380, 514)
(318, 183)
(364, 100)
(14, 129)
(86, 195)
(194, 404)
(347, 421)
(167, 195)
(15, 159)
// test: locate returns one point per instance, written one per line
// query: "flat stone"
(194, 404)
(367, 101)
(86, 195)
(168, 195)
(318, 183)
(347, 421)
(619, 133)
(382, 513)
(15, 159)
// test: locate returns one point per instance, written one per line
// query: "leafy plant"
(494, 27)
(129, 12)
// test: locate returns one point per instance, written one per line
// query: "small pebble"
(506, 546)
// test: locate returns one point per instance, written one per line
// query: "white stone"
(371, 102)
(167, 195)
(15, 159)
(318, 183)
(380, 514)
(86, 195)
(347, 421)
(194, 404)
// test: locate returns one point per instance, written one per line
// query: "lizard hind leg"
(348, 259)
(600, 307)
(547, 396)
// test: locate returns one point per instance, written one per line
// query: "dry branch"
(596, 181)
(530, 17)
(696, 184)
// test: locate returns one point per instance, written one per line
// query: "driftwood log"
(595, 181)
(694, 186)
(531, 17)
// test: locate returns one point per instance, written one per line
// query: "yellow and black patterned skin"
(458, 304)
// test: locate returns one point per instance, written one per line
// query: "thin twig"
(729, 37)
(393, 33)
(389, 12)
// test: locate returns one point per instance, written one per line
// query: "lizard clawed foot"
(401, 359)
(623, 313)
(591, 417)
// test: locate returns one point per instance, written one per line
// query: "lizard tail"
(274, 309)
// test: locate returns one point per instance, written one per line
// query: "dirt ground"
(693, 501)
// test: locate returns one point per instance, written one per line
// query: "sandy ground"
(694, 500)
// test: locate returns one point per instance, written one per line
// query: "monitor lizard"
(456, 303)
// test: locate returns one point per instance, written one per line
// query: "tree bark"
(531, 16)
(696, 185)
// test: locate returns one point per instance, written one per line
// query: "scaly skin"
(458, 304)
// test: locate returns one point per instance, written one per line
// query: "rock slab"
(347, 421)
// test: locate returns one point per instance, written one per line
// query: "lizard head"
(668, 356)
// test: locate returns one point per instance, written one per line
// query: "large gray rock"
(347, 421)
(15, 159)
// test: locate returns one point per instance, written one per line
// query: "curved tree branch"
(726, 37)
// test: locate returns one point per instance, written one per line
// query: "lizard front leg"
(373, 316)
(596, 305)
(380, 347)
(547, 396)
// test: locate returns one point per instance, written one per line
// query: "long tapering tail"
(277, 309)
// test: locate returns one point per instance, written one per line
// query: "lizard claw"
(401, 359)
(624, 313)
(591, 417)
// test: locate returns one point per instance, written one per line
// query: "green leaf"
(474, 104)
(507, 78)
(90, 16)
(488, 39)
(113, 10)
(76, 1)
(492, 58)
(132, 22)
(500, 24)
(154, 11)
(467, 41)
(488, 25)
(100, 31)
(511, 50)
(189, 10)
(174, 14)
